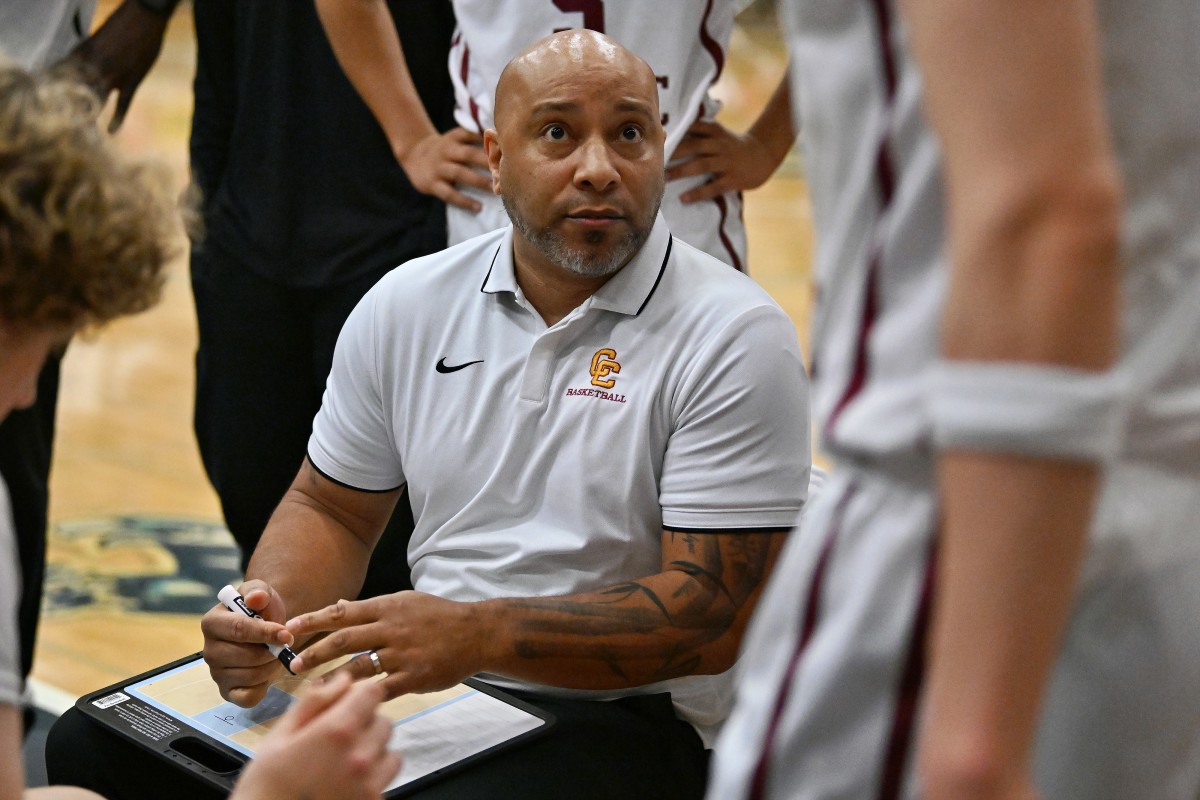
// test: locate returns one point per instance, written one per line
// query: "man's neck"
(553, 291)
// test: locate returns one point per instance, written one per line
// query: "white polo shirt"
(545, 461)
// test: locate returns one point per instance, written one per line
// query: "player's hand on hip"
(423, 643)
(332, 744)
(734, 161)
(234, 644)
(439, 164)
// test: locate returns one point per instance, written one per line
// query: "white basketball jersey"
(684, 41)
(873, 170)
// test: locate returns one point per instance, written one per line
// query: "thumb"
(262, 597)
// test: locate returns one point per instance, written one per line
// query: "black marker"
(235, 602)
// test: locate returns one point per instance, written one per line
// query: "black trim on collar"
(491, 266)
(332, 479)
(661, 271)
(770, 529)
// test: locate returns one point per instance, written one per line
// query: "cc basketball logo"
(604, 364)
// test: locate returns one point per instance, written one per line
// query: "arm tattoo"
(635, 621)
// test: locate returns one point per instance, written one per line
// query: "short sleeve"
(739, 455)
(353, 441)
(10, 588)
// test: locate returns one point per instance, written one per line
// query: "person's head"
(84, 233)
(577, 153)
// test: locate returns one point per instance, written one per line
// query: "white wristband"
(1034, 409)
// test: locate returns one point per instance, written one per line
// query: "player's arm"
(314, 550)
(364, 39)
(1013, 93)
(119, 54)
(687, 619)
(736, 161)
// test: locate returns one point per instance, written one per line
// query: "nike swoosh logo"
(446, 370)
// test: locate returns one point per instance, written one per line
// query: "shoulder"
(695, 284)
(446, 276)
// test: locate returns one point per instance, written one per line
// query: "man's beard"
(553, 245)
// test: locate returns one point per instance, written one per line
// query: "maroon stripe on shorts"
(710, 44)
(758, 782)
(885, 181)
(723, 207)
(908, 695)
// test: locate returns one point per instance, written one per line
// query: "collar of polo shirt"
(625, 293)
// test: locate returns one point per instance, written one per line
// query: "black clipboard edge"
(163, 749)
(226, 780)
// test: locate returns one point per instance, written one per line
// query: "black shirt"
(297, 177)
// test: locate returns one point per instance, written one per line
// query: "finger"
(359, 667)
(124, 98)
(246, 696)
(221, 624)
(354, 707)
(373, 751)
(451, 196)
(253, 679)
(315, 700)
(464, 135)
(696, 166)
(385, 770)
(704, 128)
(342, 614)
(337, 644)
(705, 192)
(470, 177)
(263, 599)
(688, 149)
(475, 158)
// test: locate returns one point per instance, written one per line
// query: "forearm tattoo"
(657, 625)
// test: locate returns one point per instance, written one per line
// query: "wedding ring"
(375, 661)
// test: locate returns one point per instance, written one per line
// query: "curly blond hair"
(84, 232)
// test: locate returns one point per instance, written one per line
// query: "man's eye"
(555, 133)
(631, 133)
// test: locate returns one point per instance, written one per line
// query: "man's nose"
(595, 169)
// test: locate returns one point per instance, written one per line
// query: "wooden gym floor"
(136, 537)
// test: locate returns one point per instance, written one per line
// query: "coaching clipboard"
(177, 713)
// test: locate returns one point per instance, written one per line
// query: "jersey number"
(592, 10)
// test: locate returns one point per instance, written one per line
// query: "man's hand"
(235, 645)
(736, 161)
(437, 164)
(118, 55)
(330, 745)
(423, 642)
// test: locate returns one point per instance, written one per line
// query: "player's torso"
(873, 171)
(684, 41)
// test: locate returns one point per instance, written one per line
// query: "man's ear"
(491, 146)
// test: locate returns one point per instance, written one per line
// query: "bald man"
(603, 436)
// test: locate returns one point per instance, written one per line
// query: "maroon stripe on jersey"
(723, 207)
(758, 782)
(908, 693)
(885, 180)
(464, 69)
(710, 44)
